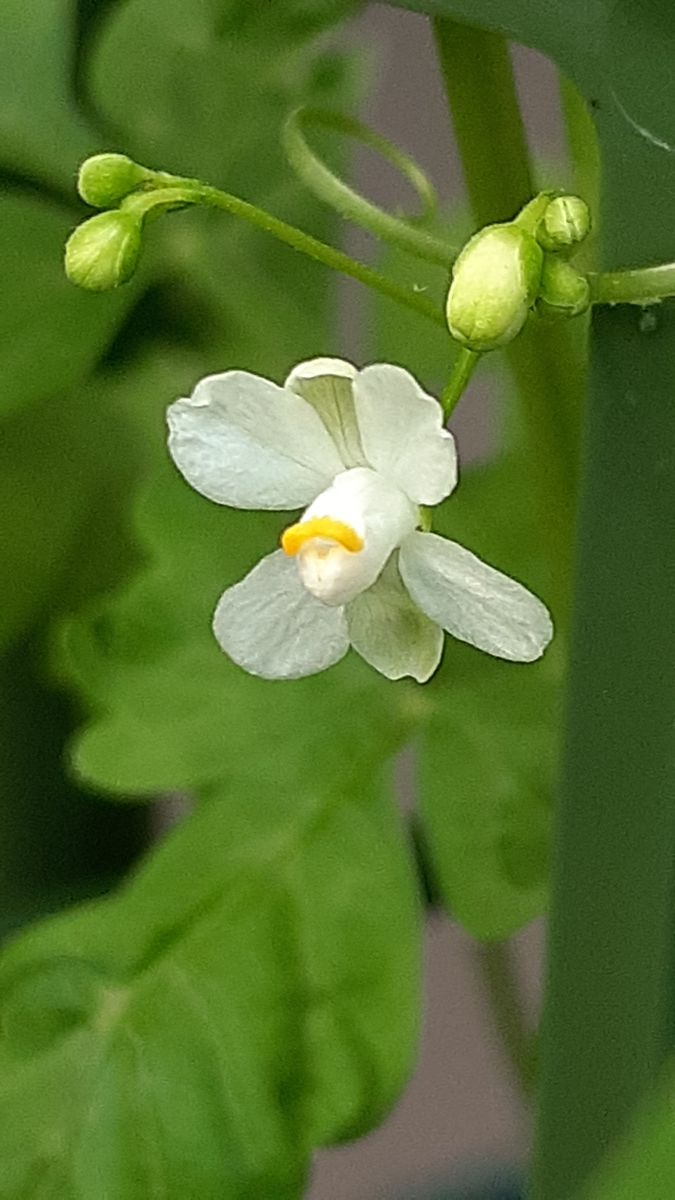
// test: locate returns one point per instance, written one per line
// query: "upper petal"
(243, 441)
(326, 384)
(473, 601)
(402, 433)
(390, 632)
(270, 625)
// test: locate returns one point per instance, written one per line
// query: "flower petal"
(243, 441)
(270, 625)
(387, 629)
(326, 384)
(369, 508)
(402, 433)
(473, 601)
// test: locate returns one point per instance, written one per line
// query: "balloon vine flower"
(364, 453)
(362, 450)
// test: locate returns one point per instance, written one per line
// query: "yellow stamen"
(294, 538)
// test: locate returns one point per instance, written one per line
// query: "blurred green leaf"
(42, 135)
(250, 995)
(572, 34)
(209, 107)
(488, 747)
(51, 333)
(171, 711)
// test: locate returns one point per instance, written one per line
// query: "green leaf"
(488, 747)
(572, 34)
(171, 711)
(251, 995)
(51, 332)
(42, 136)
(211, 108)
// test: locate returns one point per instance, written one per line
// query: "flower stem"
(334, 191)
(175, 193)
(642, 286)
(464, 367)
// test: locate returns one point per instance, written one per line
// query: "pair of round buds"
(505, 270)
(103, 252)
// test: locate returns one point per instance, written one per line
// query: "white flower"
(362, 450)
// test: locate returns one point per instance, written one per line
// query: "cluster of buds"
(103, 252)
(507, 270)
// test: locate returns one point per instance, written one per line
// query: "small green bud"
(564, 292)
(495, 282)
(104, 251)
(106, 179)
(565, 223)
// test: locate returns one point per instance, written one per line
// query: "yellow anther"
(295, 537)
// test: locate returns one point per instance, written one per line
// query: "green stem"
(642, 286)
(607, 1023)
(334, 191)
(481, 93)
(479, 83)
(178, 193)
(464, 367)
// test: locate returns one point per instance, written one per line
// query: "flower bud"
(565, 223)
(495, 282)
(564, 291)
(106, 179)
(104, 251)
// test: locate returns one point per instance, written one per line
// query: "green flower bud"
(565, 223)
(106, 179)
(495, 282)
(104, 251)
(564, 292)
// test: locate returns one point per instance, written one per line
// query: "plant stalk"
(606, 1025)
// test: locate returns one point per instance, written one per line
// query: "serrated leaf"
(252, 994)
(171, 711)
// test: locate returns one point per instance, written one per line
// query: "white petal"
(270, 625)
(473, 601)
(243, 441)
(378, 512)
(326, 384)
(387, 629)
(402, 433)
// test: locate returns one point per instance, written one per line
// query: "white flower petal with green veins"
(391, 633)
(402, 433)
(270, 625)
(473, 601)
(326, 384)
(242, 441)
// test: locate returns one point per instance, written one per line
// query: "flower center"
(296, 536)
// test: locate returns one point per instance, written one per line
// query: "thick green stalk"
(479, 83)
(607, 1012)
(481, 92)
